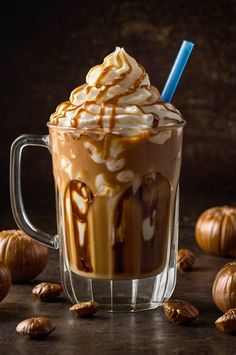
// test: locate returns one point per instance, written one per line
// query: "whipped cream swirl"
(117, 94)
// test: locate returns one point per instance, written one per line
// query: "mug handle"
(17, 204)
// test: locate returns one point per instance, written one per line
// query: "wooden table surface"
(141, 333)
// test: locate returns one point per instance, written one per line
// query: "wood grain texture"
(147, 332)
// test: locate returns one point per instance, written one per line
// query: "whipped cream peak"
(117, 94)
(116, 66)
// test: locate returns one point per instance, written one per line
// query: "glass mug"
(117, 208)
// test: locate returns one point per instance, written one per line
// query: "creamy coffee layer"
(117, 194)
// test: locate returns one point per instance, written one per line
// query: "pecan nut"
(47, 291)
(84, 309)
(185, 259)
(227, 323)
(36, 327)
(180, 312)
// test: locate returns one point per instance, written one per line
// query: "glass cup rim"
(173, 125)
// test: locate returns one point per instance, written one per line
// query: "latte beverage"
(116, 151)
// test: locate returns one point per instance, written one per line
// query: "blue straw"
(176, 71)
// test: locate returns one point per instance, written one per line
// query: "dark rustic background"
(48, 47)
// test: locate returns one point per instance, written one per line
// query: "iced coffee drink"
(116, 152)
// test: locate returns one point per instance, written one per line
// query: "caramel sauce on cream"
(117, 94)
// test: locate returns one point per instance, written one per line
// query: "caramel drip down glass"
(117, 202)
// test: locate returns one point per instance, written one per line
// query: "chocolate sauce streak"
(120, 232)
(154, 194)
(148, 207)
(81, 197)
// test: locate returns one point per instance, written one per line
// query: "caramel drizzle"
(60, 112)
(101, 113)
(112, 118)
(169, 109)
(102, 75)
(116, 81)
(62, 108)
(88, 89)
(140, 79)
(77, 90)
(160, 103)
(74, 121)
(136, 84)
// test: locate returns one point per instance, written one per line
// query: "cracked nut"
(84, 309)
(227, 323)
(180, 312)
(47, 291)
(185, 259)
(36, 327)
